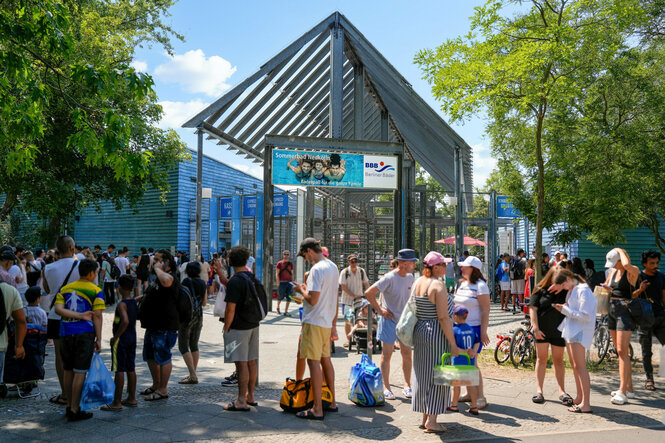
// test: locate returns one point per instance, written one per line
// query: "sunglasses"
(353, 261)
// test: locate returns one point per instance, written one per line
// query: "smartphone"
(293, 285)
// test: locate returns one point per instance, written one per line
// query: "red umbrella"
(469, 241)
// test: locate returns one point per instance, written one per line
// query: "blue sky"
(225, 42)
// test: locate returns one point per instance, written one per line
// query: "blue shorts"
(386, 331)
(462, 361)
(285, 289)
(157, 345)
(476, 329)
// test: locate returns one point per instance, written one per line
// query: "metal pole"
(492, 243)
(459, 222)
(336, 80)
(269, 227)
(199, 189)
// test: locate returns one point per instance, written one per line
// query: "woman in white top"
(474, 295)
(577, 329)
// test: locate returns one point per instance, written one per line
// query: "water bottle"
(661, 366)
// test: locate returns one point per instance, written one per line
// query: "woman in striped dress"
(432, 337)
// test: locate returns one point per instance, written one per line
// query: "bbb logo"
(379, 167)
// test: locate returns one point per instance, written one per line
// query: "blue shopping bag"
(99, 387)
(366, 385)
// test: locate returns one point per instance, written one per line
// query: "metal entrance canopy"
(332, 82)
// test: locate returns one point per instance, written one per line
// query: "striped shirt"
(80, 296)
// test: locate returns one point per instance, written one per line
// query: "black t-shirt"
(238, 292)
(159, 308)
(199, 291)
(549, 318)
(654, 291)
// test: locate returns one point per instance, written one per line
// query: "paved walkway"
(195, 412)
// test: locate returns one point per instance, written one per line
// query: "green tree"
(77, 123)
(518, 69)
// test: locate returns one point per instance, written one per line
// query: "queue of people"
(562, 308)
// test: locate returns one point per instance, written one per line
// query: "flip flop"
(435, 431)
(128, 404)
(388, 395)
(232, 407)
(539, 398)
(332, 409)
(452, 409)
(576, 409)
(58, 399)
(308, 415)
(147, 391)
(408, 393)
(566, 399)
(253, 403)
(155, 396)
(473, 411)
(110, 408)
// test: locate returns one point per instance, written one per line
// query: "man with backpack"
(354, 282)
(11, 306)
(160, 317)
(245, 308)
(517, 274)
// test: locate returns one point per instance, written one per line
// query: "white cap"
(471, 261)
(612, 258)
(557, 252)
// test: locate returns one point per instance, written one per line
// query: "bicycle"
(523, 344)
(602, 345)
(502, 350)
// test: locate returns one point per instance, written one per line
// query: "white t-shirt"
(55, 274)
(354, 283)
(467, 296)
(122, 263)
(19, 273)
(12, 303)
(396, 291)
(323, 278)
(205, 271)
(80, 256)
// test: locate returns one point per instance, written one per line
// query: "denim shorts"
(157, 346)
(285, 289)
(619, 318)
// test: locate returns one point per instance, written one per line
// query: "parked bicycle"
(502, 350)
(523, 344)
(602, 345)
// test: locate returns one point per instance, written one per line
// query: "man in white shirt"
(354, 282)
(320, 307)
(122, 262)
(55, 277)
(12, 307)
(396, 289)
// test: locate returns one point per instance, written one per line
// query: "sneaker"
(232, 376)
(619, 399)
(629, 395)
(230, 383)
(79, 415)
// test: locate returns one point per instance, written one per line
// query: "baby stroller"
(24, 373)
(359, 335)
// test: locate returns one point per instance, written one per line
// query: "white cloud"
(197, 74)
(177, 113)
(139, 66)
(483, 164)
(254, 170)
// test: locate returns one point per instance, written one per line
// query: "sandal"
(129, 404)
(309, 415)
(649, 385)
(155, 396)
(388, 395)
(188, 381)
(110, 408)
(147, 391)
(58, 399)
(566, 399)
(539, 398)
(232, 407)
(473, 411)
(438, 430)
(452, 409)
(578, 410)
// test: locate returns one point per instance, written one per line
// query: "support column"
(423, 226)
(336, 80)
(199, 189)
(398, 208)
(492, 245)
(309, 212)
(268, 240)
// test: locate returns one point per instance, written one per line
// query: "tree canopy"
(77, 122)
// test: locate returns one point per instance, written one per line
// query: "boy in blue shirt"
(468, 342)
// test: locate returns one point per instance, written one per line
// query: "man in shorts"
(503, 273)
(241, 329)
(284, 274)
(320, 305)
(395, 288)
(354, 282)
(517, 281)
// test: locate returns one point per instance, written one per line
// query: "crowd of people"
(67, 289)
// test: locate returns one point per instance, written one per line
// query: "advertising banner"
(280, 205)
(505, 209)
(249, 207)
(325, 169)
(225, 207)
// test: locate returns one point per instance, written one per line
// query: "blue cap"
(460, 311)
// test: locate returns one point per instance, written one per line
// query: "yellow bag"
(298, 395)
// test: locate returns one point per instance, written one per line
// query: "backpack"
(256, 306)
(186, 304)
(115, 270)
(499, 272)
(517, 267)
(362, 274)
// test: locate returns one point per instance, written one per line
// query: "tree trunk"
(540, 195)
(7, 206)
(54, 231)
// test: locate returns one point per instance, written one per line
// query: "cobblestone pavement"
(194, 412)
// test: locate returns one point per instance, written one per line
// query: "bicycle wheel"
(502, 351)
(518, 347)
(599, 346)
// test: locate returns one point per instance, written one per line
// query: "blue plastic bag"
(366, 384)
(99, 387)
